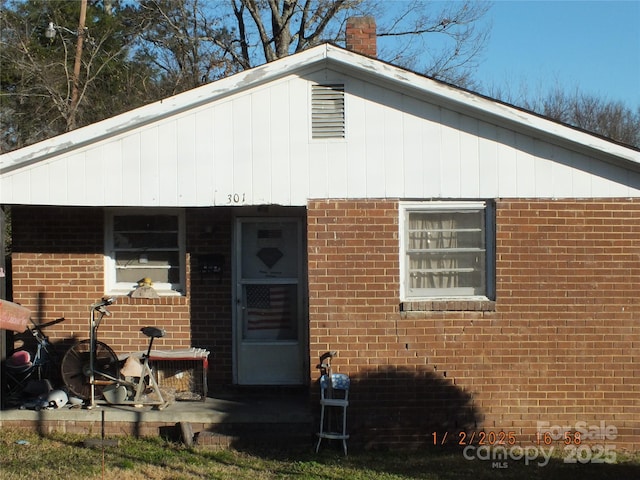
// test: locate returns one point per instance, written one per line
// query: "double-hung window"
(447, 250)
(143, 244)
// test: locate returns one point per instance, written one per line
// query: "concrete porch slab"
(227, 418)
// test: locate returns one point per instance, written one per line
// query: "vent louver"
(327, 111)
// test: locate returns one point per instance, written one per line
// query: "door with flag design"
(269, 327)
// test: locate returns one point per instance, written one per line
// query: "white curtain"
(432, 269)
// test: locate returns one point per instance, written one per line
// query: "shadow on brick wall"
(395, 405)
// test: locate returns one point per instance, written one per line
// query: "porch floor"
(224, 419)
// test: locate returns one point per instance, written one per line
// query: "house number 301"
(235, 198)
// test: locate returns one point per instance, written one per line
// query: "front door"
(270, 322)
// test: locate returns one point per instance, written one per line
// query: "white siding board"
(242, 181)
(299, 118)
(356, 128)
(133, 178)
(149, 166)
(469, 157)
(223, 153)
(562, 178)
(258, 136)
(318, 180)
(394, 153)
(487, 161)
(525, 167)
(204, 128)
(40, 184)
(507, 163)
(337, 171)
(168, 160)
(79, 185)
(432, 156)
(374, 139)
(113, 184)
(414, 163)
(450, 177)
(57, 183)
(581, 181)
(280, 155)
(20, 187)
(187, 160)
(543, 169)
(96, 159)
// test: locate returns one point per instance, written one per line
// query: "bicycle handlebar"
(38, 327)
(102, 304)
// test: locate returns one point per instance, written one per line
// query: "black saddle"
(153, 332)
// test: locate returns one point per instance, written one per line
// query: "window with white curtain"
(446, 250)
(143, 244)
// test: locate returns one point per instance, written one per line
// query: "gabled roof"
(445, 95)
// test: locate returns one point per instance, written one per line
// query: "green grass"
(26, 455)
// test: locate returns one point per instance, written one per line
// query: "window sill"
(161, 293)
(449, 305)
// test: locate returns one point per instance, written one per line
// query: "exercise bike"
(91, 369)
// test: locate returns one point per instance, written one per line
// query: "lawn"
(26, 455)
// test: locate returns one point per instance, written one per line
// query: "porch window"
(447, 250)
(145, 244)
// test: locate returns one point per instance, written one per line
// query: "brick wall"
(558, 346)
(58, 271)
(209, 233)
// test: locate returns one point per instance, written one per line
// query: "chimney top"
(361, 35)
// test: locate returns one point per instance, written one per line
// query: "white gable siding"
(255, 147)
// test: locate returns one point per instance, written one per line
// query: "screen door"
(269, 325)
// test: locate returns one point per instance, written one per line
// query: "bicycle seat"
(153, 332)
(19, 361)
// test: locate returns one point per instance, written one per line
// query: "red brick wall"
(209, 233)
(558, 345)
(58, 271)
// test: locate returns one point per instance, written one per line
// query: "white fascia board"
(494, 111)
(158, 110)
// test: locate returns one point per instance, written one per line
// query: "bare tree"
(608, 118)
(54, 70)
(182, 40)
(444, 42)
(611, 119)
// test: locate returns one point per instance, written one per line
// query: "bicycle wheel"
(76, 372)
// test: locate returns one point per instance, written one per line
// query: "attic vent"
(327, 111)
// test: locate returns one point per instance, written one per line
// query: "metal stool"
(334, 394)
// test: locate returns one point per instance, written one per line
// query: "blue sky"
(590, 45)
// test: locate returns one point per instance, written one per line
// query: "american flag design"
(268, 307)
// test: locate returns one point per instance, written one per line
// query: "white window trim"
(422, 206)
(125, 288)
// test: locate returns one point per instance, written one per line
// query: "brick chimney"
(361, 35)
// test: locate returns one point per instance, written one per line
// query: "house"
(475, 266)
